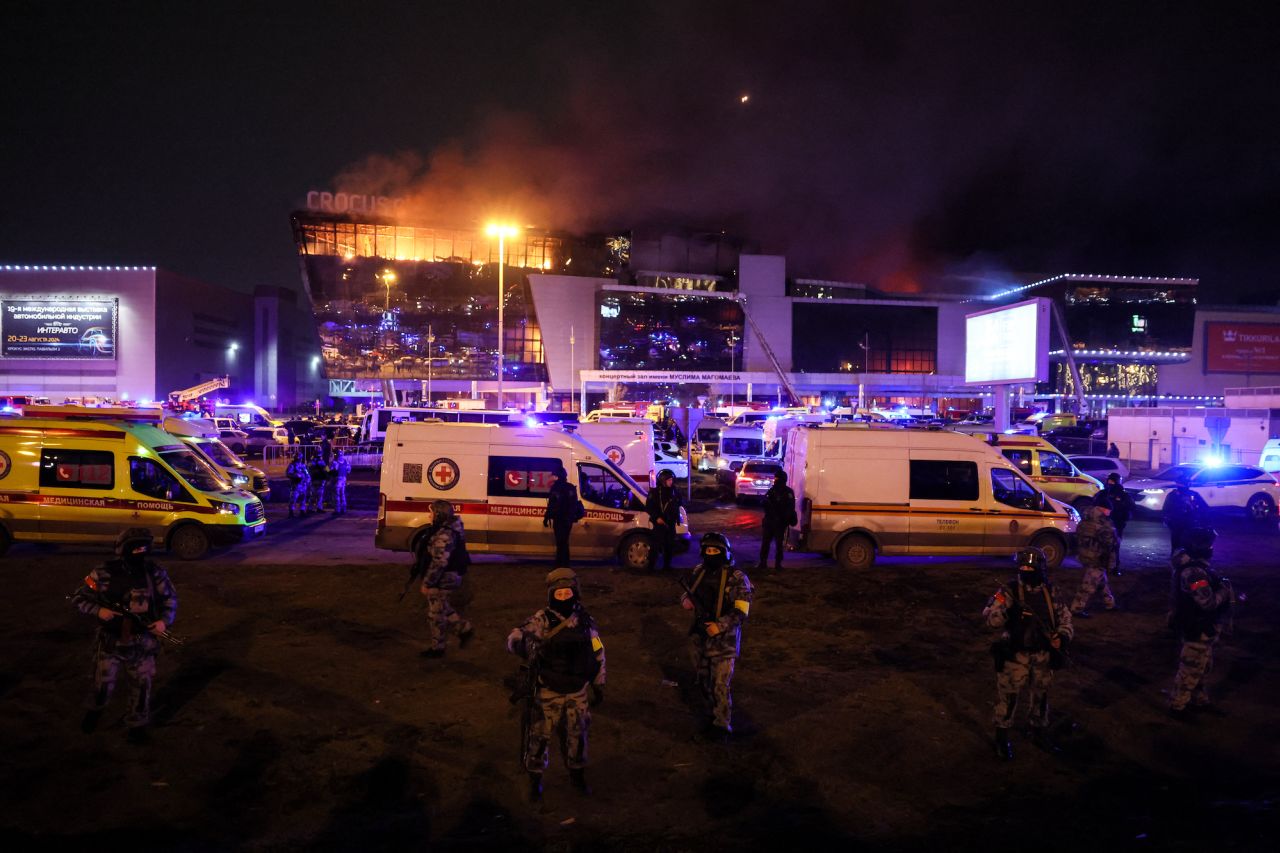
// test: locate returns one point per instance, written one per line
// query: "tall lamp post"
(431, 360)
(573, 379)
(501, 232)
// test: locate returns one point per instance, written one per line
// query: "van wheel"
(1082, 504)
(189, 542)
(1261, 507)
(1055, 551)
(636, 552)
(855, 552)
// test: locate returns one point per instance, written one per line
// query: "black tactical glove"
(597, 696)
(546, 522)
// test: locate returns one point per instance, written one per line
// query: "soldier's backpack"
(459, 559)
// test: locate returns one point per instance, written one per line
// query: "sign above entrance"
(676, 376)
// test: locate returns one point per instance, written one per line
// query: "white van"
(376, 422)
(497, 477)
(628, 442)
(245, 415)
(1269, 461)
(706, 443)
(738, 444)
(868, 490)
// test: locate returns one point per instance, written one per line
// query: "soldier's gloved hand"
(597, 696)
(546, 522)
(686, 603)
(157, 627)
(106, 615)
(712, 629)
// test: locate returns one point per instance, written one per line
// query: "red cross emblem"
(443, 474)
(4, 465)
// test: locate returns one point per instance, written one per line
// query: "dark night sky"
(884, 141)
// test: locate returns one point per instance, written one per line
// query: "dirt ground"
(300, 716)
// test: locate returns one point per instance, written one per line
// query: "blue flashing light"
(1213, 461)
(531, 422)
(8, 410)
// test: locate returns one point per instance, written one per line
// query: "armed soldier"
(319, 474)
(663, 506)
(1037, 630)
(719, 594)
(1096, 548)
(564, 509)
(135, 603)
(779, 514)
(566, 661)
(1184, 510)
(339, 470)
(1121, 511)
(299, 483)
(1200, 607)
(442, 561)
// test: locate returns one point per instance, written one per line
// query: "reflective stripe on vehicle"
(508, 510)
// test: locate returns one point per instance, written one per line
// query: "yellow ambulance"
(75, 481)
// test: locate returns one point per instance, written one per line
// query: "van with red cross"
(628, 442)
(497, 477)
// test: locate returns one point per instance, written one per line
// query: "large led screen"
(1242, 347)
(36, 327)
(1009, 344)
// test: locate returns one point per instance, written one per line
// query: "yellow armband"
(596, 644)
(744, 606)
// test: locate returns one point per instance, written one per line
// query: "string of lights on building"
(70, 268)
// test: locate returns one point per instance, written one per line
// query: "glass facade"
(864, 338)
(677, 331)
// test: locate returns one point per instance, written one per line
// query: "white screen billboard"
(1009, 344)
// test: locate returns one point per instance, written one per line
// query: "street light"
(431, 357)
(501, 232)
(388, 277)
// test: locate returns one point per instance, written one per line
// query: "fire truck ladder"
(768, 351)
(195, 392)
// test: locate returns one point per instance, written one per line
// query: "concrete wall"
(197, 324)
(564, 302)
(1158, 437)
(1190, 378)
(132, 373)
(762, 279)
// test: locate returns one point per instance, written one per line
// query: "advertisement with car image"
(58, 328)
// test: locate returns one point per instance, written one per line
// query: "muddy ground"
(300, 716)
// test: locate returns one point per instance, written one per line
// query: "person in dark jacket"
(1184, 511)
(564, 510)
(1121, 510)
(663, 507)
(779, 514)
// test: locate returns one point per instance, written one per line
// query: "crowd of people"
(318, 482)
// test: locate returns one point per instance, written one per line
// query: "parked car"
(755, 478)
(1101, 466)
(1074, 439)
(301, 428)
(1229, 486)
(667, 455)
(261, 438)
(237, 440)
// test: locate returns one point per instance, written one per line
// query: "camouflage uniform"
(299, 482)
(319, 471)
(725, 597)
(146, 590)
(1201, 603)
(1026, 659)
(571, 661)
(338, 473)
(445, 550)
(1096, 549)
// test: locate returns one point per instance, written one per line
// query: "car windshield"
(195, 471)
(220, 453)
(1178, 473)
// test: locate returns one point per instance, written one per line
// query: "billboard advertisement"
(1241, 347)
(1008, 344)
(34, 327)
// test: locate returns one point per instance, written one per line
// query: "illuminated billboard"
(35, 327)
(1241, 347)
(1007, 345)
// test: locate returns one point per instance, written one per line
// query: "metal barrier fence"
(276, 457)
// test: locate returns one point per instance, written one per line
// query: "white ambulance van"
(85, 481)
(867, 490)
(628, 442)
(738, 444)
(497, 478)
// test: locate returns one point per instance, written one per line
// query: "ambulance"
(75, 481)
(497, 477)
(1047, 467)
(865, 490)
(628, 442)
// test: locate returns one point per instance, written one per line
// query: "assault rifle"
(524, 691)
(135, 618)
(699, 611)
(421, 562)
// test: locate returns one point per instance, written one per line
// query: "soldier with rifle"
(1036, 631)
(563, 678)
(1200, 611)
(134, 603)
(442, 561)
(719, 594)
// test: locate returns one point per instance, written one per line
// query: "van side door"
(612, 509)
(947, 512)
(78, 495)
(1015, 513)
(517, 490)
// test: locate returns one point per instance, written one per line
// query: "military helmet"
(1032, 565)
(666, 473)
(131, 538)
(1103, 501)
(561, 579)
(716, 547)
(442, 510)
(1199, 542)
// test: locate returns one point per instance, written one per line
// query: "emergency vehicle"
(497, 477)
(65, 480)
(864, 490)
(376, 422)
(628, 442)
(1049, 469)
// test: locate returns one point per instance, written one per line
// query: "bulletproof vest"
(776, 502)
(1089, 542)
(459, 559)
(1030, 633)
(708, 592)
(568, 661)
(130, 591)
(1190, 620)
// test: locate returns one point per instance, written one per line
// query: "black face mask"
(1030, 577)
(564, 608)
(132, 560)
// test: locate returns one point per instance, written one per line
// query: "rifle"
(526, 688)
(699, 612)
(421, 562)
(165, 635)
(414, 573)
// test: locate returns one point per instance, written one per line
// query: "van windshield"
(742, 446)
(220, 453)
(195, 471)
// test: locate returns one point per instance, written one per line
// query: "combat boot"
(578, 778)
(1004, 747)
(535, 787)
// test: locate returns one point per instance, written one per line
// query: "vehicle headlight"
(1073, 514)
(239, 479)
(1154, 491)
(684, 517)
(226, 508)
(722, 463)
